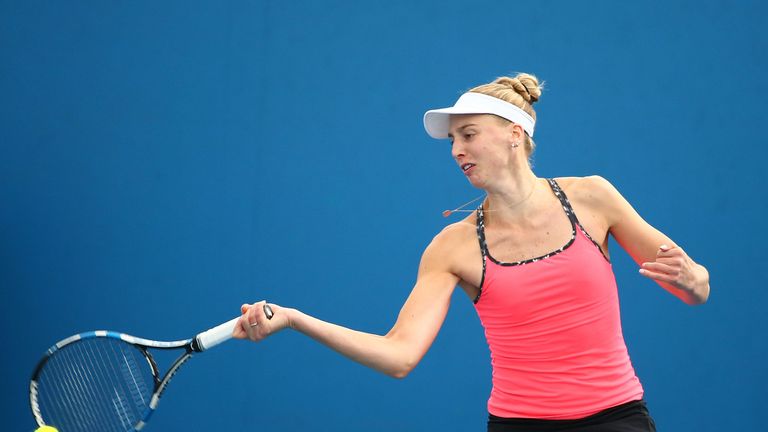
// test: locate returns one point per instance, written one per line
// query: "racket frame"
(140, 344)
(201, 342)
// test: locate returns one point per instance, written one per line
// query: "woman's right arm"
(395, 353)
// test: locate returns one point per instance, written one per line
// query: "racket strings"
(65, 391)
(73, 390)
(100, 384)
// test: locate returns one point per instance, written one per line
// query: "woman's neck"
(514, 197)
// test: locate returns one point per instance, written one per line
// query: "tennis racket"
(103, 381)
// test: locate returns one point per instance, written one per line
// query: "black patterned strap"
(572, 214)
(481, 231)
(483, 248)
(564, 201)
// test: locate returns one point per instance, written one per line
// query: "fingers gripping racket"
(108, 381)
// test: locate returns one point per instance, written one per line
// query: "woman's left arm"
(659, 257)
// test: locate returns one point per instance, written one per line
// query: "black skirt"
(629, 417)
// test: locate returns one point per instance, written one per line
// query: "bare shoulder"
(447, 246)
(601, 197)
(455, 234)
(593, 191)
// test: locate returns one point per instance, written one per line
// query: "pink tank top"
(554, 331)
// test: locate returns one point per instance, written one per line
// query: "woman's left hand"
(674, 267)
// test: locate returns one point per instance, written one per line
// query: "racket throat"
(195, 345)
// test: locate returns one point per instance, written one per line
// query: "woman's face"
(481, 144)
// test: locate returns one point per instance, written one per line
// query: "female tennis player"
(534, 259)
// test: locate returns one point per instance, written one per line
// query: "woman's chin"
(476, 182)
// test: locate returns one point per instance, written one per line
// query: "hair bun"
(526, 85)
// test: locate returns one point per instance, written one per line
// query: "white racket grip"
(221, 333)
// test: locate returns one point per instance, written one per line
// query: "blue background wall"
(164, 162)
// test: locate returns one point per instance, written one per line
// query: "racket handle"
(221, 333)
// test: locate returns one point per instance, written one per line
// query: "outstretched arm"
(395, 353)
(659, 257)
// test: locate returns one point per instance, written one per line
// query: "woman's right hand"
(255, 325)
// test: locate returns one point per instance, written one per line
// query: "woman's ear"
(515, 135)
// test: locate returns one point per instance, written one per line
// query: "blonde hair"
(521, 91)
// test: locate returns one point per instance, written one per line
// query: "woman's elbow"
(402, 369)
(400, 374)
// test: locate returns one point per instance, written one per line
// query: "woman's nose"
(457, 150)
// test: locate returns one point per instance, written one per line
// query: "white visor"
(437, 122)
